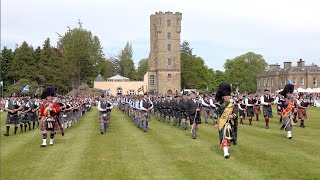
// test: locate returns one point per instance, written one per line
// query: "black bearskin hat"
(224, 89)
(48, 91)
(289, 88)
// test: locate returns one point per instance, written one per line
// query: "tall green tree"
(142, 69)
(194, 73)
(5, 62)
(126, 63)
(23, 64)
(81, 55)
(244, 70)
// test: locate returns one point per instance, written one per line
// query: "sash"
(225, 115)
(287, 112)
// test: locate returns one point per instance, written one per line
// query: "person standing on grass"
(33, 111)
(12, 106)
(267, 101)
(183, 111)
(105, 107)
(193, 108)
(249, 104)
(256, 107)
(287, 107)
(146, 106)
(302, 110)
(227, 114)
(48, 115)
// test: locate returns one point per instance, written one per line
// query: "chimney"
(300, 63)
(274, 67)
(287, 65)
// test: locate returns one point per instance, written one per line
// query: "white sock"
(51, 141)
(289, 134)
(44, 141)
(225, 151)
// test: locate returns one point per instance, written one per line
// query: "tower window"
(151, 80)
(168, 23)
(169, 76)
(314, 81)
(178, 21)
(169, 61)
(168, 35)
(169, 47)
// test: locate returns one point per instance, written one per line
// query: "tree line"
(78, 58)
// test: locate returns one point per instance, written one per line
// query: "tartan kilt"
(302, 113)
(197, 120)
(145, 116)
(183, 115)
(250, 111)
(55, 125)
(176, 114)
(12, 119)
(33, 116)
(204, 111)
(103, 119)
(267, 111)
(211, 112)
(24, 118)
(241, 113)
(257, 110)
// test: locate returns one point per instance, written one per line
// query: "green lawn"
(164, 152)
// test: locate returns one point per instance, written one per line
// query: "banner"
(25, 89)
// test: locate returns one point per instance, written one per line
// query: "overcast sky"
(280, 30)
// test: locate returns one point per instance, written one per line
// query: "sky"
(279, 30)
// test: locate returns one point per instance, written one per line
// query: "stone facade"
(164, 72)
(301, 76)
(164, 69)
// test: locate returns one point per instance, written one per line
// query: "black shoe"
(43, 145)
(101, 132)
(227, 156)
(234, 142)
(6, 134)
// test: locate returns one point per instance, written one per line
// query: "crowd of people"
(186, 110)
(223, 108)
(48, 112)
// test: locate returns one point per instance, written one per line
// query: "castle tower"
(164, 58)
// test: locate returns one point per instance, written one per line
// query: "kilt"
(241, 113)
(12, 119)
(176, 114)
(145, 116)
(250, 111)
(287, 121)
(47, 122)
(24, 118)
(197, 120)
(257, 110)
(205, 111)
(267, 111)
(222, 130)
(104, 119)
(211, 112)
(302, 113)
(33, 116)
(183, 115)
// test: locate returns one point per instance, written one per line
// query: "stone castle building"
(164, 69)
(302, 76)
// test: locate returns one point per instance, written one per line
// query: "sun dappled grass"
(164, 152)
